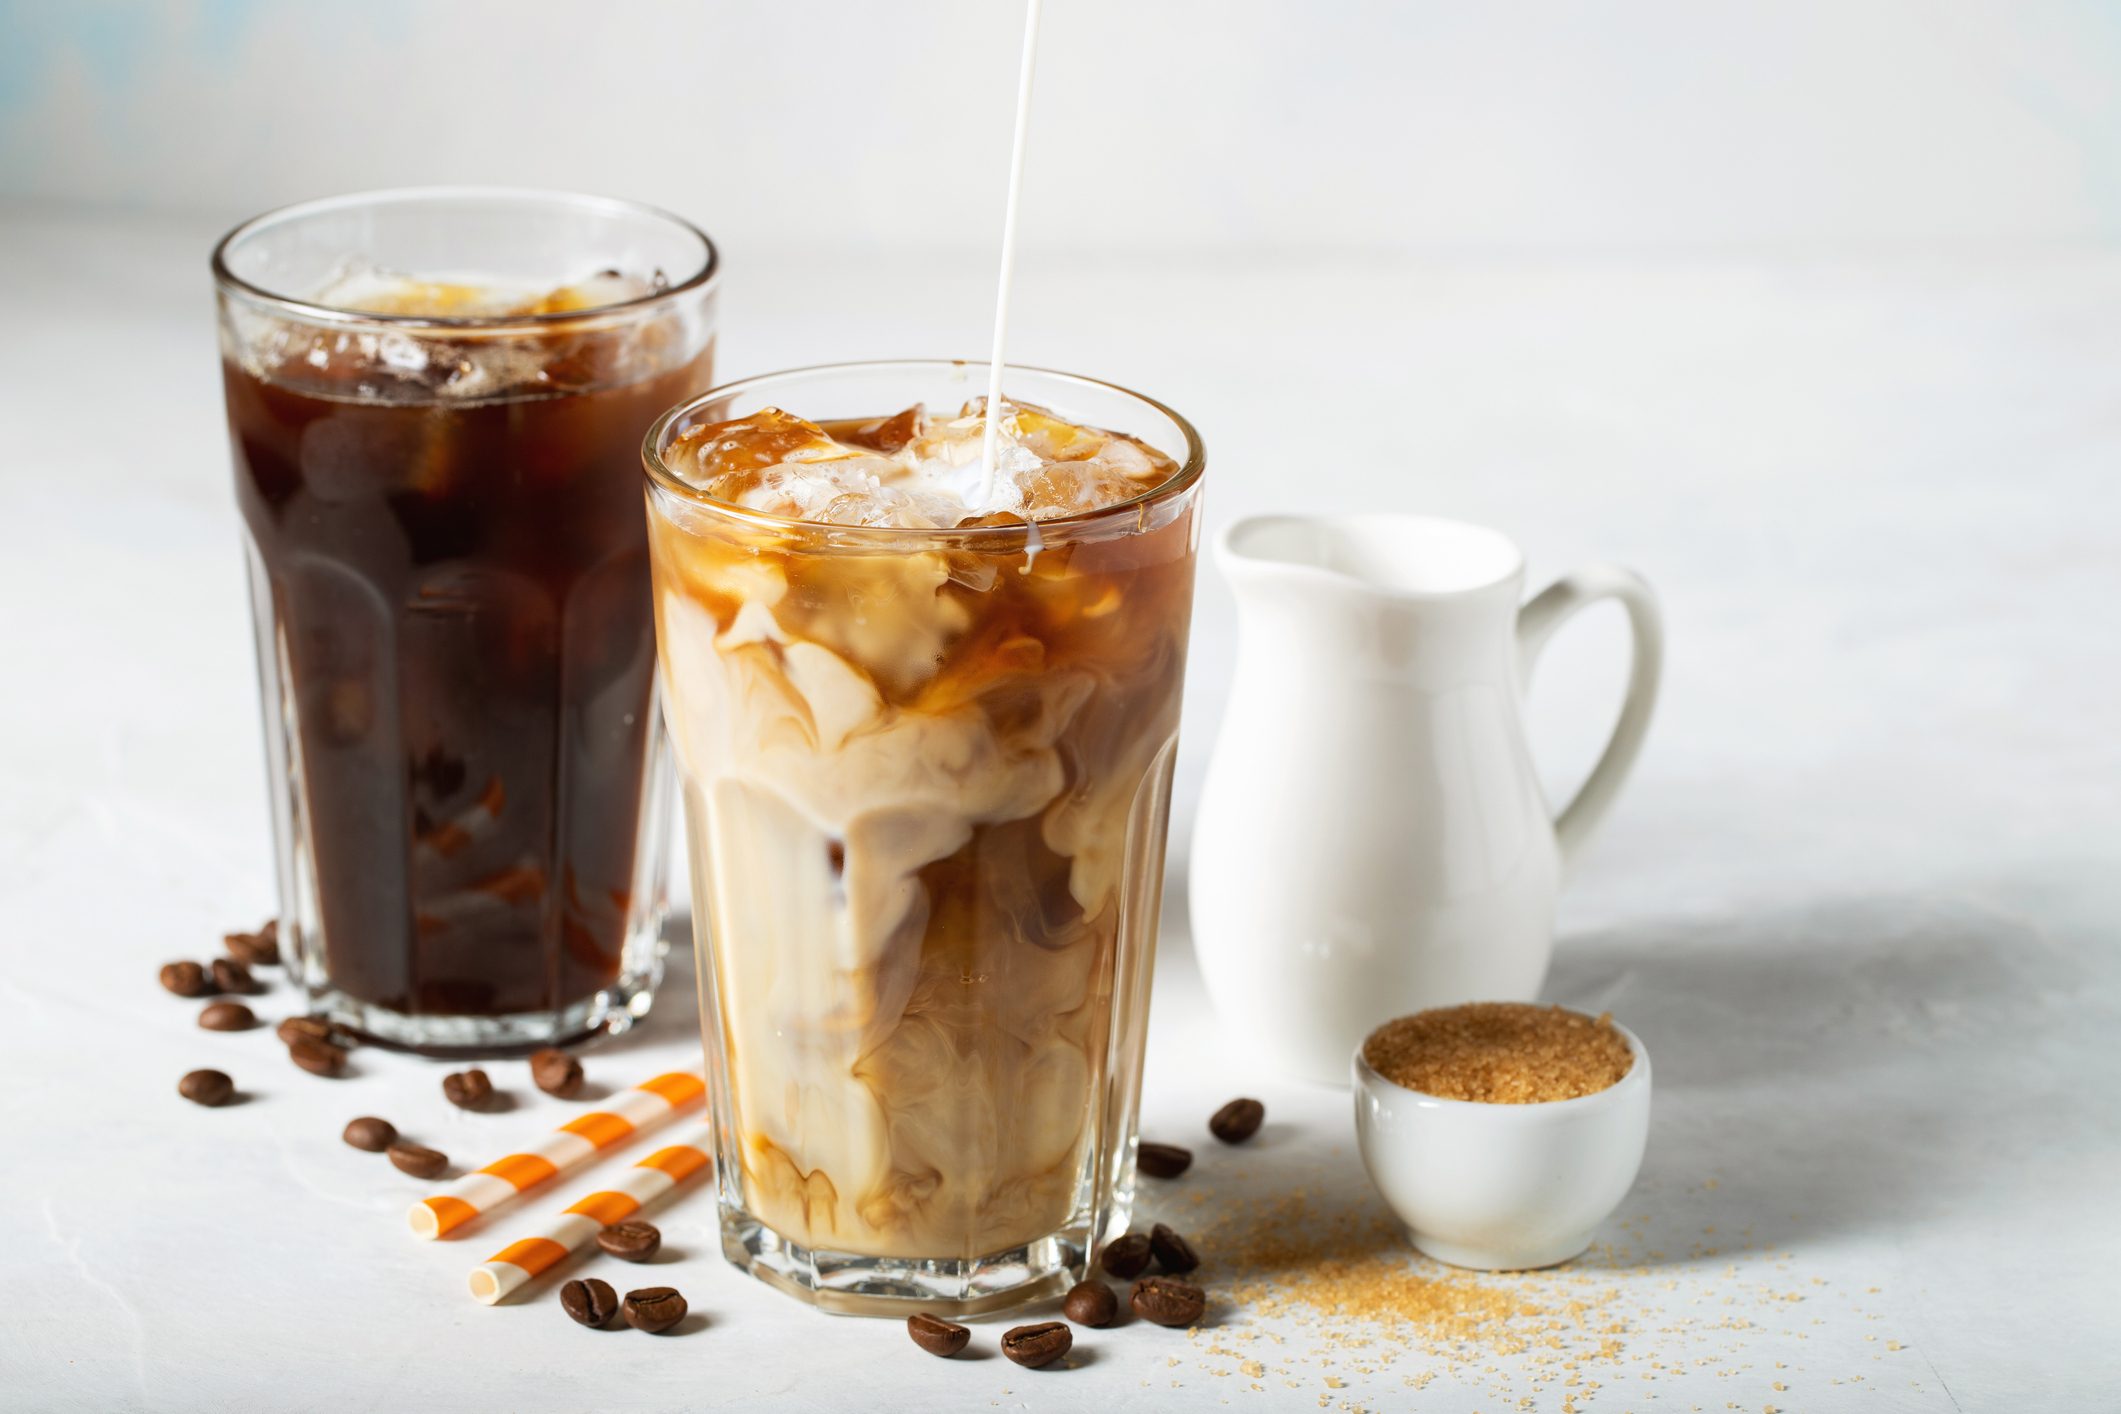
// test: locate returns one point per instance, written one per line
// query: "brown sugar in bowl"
(1514, 1181)
(1500, 1053)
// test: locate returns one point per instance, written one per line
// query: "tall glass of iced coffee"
(435, 402)
(924, 720)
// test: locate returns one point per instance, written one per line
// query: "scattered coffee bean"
(1173, 1253)
(1090, 1303)
(1168, 1301)
(1126, 1257)
(206, 1087)
(368, 1132)
(186, 979)
(1042, 1344)
(1163, 1160)
(653, 1308)
(317, 1057)
(260, 949)
(631, 1241)
(227, 1016)
(556, 1073)
(1237, 1121)
(417, 1159)
(233, 976)
(591, 1302)
(316, 1028)
(936, 1335)
(467, 1089)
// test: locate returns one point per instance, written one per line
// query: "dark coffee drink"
(450, 568)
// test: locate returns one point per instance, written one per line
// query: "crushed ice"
(782, 465)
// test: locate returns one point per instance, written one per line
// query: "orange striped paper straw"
(572, 1230)
(569, 1147)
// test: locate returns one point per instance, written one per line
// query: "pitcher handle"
(1537, 622)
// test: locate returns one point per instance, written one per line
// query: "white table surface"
(1861, 900)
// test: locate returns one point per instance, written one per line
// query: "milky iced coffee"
(925, 718)
(435, 404)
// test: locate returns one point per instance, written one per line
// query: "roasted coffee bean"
(556, 1073)
(368, 1132)
(936, 1335)
(1126, 1257)
(591, 1302)
(206, 1087)
(317, 1057)
(227, 1016)
(467, 1089)
(1042, 1344)
(252, 949)
(316, 1028)
(1163, 1160)
(653, 1308)
(233, 976)
(1168, 1301)
(1172, 1252)
(1237, 1121)
(1090, 1303)
(187, 979)
(631, 1241)
(417, 1159)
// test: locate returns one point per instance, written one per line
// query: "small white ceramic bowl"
(1503, 1187)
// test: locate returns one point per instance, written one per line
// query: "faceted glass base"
(603, 1013)
(848, 1284)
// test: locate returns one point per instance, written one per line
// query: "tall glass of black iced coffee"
(436, 400)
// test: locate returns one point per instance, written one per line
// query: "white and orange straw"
(573, 1144)
(652, 1178)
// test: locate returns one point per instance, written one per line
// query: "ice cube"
(1070, 488)
(606, 287)
(885, 434)
(950, 457)
(912, 470)
(1131, 459)
(1054, 440)
(725, 459)
(835, 491)
(365, 289)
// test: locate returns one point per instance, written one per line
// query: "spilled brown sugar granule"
(1500, 1053)
(1356, 1266)
(1319, 1296)
(1351, 1299)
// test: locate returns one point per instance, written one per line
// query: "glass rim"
(226, 280)
(661, 476)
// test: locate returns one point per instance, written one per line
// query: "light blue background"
(1253, 124)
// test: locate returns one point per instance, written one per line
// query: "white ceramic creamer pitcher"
(1372, 838)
